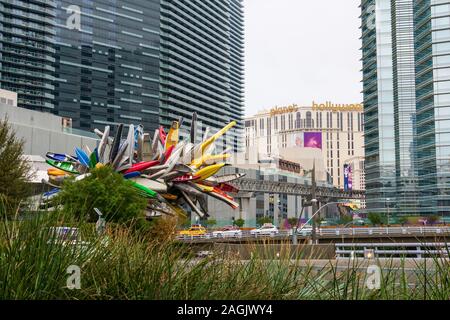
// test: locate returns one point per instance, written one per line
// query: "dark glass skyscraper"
(27, 54)
(202, 62)
(127, 61)
(107, 71)
(406, 77)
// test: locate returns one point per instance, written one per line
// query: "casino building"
(337, 130)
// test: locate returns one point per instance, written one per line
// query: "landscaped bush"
(126, 265)
(106, 190)
(14, 170)
(264, 220)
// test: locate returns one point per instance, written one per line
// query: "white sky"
(298, 51)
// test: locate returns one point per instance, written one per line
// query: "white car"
(307, 229)
(227, 232)
(265, 230)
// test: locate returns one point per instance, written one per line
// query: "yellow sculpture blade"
(179, 211)
(197, 163)
(173, 135)
(204, 188)
(217, 135)
(209, 171)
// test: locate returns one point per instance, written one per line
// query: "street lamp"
(387, 200)
(312, 217)
(297, 218)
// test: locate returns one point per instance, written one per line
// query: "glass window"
(440, 22)
(441, 35)
(442, 74)
(441, 47)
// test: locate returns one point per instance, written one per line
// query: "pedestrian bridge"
(251, 185)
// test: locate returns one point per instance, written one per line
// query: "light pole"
(387, 200)
(312, 218)
(294, 231)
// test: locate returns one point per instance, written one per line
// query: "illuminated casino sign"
(329, 106)
(281, 110)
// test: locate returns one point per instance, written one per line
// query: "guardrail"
(379, 250)
(329, 232)
(384, 231)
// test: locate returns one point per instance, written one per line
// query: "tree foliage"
(403, 220)
(106, 190)
(345, 219)
(375, 218)
(264, 220)
(239, 222)
(211, 222)
(293, 222)
(433, 219)
(14, 169)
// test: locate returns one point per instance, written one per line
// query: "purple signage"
(313, 140)
(348, 179)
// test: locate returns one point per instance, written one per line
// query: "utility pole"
(314, 202)
(388, 213)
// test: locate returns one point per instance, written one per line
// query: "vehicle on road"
(227, 231)
(194, 230)
(305, 229)
(267, 229)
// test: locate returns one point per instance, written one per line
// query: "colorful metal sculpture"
(180, 173)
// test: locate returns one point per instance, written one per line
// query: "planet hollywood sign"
(282, 110)
(336, 107)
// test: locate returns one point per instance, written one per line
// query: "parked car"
(267, 229)
(194, 230)
(227, 231)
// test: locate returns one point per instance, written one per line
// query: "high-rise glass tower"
(406, 77)
(432, 43)
(104, 62)
(27, 54)
(107, 68)
(202, 63)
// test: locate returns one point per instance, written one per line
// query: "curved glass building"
(104, 62)
(202, 64)
(406, 77)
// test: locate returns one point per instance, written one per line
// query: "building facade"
(406, 73)
(129, 61)
(335, 129)
(256, 205)
(8, 98)
(202, 64)
(27, 54)
(107, 66)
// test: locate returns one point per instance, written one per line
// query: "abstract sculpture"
(179, 172)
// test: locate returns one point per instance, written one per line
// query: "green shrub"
(293, 222)
(345, 219)
(239, 222)
(403, 220)
(106, 190)
(264, 220)
(127, 265)
(211, 222)
(14, 170)
(375, 218)
(433, 219)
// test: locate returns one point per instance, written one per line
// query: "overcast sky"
(298, 51)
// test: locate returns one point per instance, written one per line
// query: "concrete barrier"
(277, 251)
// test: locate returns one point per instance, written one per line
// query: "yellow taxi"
(194, 230)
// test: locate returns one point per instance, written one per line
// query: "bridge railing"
(383, 231)
(330, 232)
(379, 250)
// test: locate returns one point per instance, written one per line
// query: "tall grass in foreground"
(126, 265)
